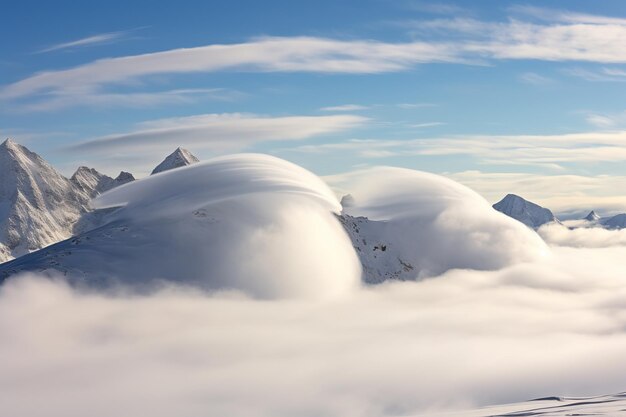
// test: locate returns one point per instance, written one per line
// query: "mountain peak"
(179, 158)
(11, 145)
(124, 177)
(8, 143)
(592, 216)
(527, 212)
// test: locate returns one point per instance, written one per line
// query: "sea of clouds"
(520, 319)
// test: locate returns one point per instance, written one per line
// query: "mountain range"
(39, 206)
(535, 216)
(45, 213)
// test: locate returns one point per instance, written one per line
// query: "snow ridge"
(179, 158)
(527, 212)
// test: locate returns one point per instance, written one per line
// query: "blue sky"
(489, 87)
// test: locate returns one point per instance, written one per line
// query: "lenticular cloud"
(437, 224)
(245, 222)
(269, 228)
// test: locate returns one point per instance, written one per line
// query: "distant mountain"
(179, 158)
(615, 222)
(592, 216)
(94, 183)
(38, 205)
(529, 213)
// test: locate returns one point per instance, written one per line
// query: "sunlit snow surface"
(607, 406)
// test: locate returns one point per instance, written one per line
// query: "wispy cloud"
(298, 54)
(607, 121)
(600, 75)
(89, 97)
(565, 16)
(212, 134)
(99, 39)
(427, 124)
(535, 79)
(557, 36)
(547, 151)
(345, 107)
(415, 105)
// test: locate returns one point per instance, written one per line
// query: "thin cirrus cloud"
(345, 107)
(546, 151)
(99, 39)
(557, 36)
(92, 98)
(216, 133)
(297, 54)
(601, 75)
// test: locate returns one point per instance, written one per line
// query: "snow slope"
(616, 222)
(531, 214)
(179, 158)
(600, 406)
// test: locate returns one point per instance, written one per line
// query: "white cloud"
(582, 237)
(60, 100)
(427, 124)
(564, 37)
(535, 79)
(601, 75)
(464, 338)
(210, 134)
(99, 39)
(550, 325)
(547, 151)
(345, 107)
(415, 105)
(295, 54)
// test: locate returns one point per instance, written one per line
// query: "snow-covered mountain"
(592, 216)
(231, 223)
(529, 213)
(179, 158)
(616, 222)
(93, 183)
(381, 258)
(196, 224)
(38, 205)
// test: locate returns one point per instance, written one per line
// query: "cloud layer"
(547, 325)
(465, 338)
